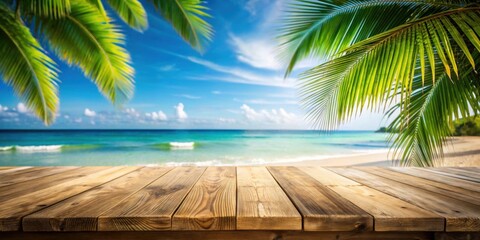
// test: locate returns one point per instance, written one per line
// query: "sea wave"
(182, 145)
(39, 148)
(48, 148)
(6, 148)
(262, 161)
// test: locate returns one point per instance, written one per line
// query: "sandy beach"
(459, 152)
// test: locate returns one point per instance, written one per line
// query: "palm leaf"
(44, 8)
(187, 18)
(83, 38)
(424, 124)
(324, 28)
(26, 67)
(370, 71)
(131, 12)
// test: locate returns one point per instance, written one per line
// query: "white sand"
(461, 151)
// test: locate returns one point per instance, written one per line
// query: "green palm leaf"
(83, 38)
(324, 28)
(131, 12)
(425, 122)
(370, 71)
(44, 8)
(26, 67)
(187, 18)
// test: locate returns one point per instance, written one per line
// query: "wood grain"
(210, 205)
(390, 213)
(28, 187)
(262, 204)
(11, 211)
(152, 207)
(322, 209)
(326, 177)
(80, 212)
(457, 173)
(459, 215)
(418, 172)
(444, 189)
(30, 175)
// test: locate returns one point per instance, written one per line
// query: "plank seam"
(293, 202)
(185, 196)
(21, 218)
(120, 201)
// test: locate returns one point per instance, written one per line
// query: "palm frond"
(323, 28)
(84, 39)
(26, 67)
(424, 122)
(370, 71)
(44, 8)
(188, 19)
(131, 12)
(99, 5)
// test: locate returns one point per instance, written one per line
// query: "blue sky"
(236, 84)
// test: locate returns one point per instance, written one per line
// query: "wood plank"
(322, 209)
(152, 207)
(211, 203)
(12, 171)
(80, 212)
(418, 172)
(444, 189)
(11, 211)
(456, 173)
(327, 177)
(262, 204)
(459, 215)
(390, 213)
(23, 188)
(40, 172)
(230, 235)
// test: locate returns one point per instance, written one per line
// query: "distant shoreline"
(459, 152)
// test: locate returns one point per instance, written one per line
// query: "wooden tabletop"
(297, 199)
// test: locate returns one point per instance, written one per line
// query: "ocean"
(180, 147)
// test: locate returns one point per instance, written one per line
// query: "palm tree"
(415, 60)
(81, 33)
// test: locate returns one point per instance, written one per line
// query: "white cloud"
(227, 120)
(180, 112)
(21, 108)
(157, 116)
(132, 112)
(251, 7)
(78, 120)
(3, 108)
(89, 113)
(216, 92)
(256, 52)
(261, 52)
(275, 115)
(238, 75)
(168, 68)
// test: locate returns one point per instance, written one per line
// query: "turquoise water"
(180, 147)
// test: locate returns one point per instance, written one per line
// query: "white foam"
(182, 145)
(40, 148)
(6, 148)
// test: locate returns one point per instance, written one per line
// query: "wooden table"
(239, 203)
